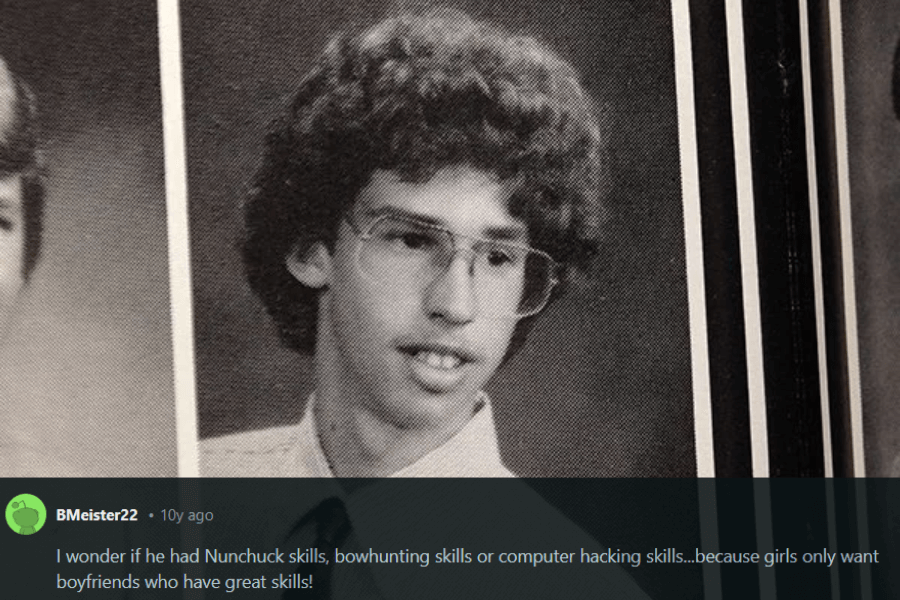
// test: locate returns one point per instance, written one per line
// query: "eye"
(503, 256)
(414, 241)
(497, 258)
(406, 237)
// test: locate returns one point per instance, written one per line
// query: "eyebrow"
(513, 233)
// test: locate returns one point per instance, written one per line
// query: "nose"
(451, 296)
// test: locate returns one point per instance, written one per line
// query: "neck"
(359, 444)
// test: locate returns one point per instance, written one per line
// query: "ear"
(311, 267)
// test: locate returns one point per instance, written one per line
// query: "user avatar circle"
(26, 514)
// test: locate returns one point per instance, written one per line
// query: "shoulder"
(260, 453)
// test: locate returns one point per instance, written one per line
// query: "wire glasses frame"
(508, 279)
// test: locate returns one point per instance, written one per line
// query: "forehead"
(462, 199)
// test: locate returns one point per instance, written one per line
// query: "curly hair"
(19, 155)
(414, 94)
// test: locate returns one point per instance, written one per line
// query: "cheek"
(365, 313)
(11, 279)
(11, 257)
(495, 336)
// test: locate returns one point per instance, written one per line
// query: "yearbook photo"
(441, 240)
(871, 44)
(86, 369)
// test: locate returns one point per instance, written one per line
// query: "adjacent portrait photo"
(86, 370)
(871, 37)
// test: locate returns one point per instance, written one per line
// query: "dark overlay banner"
(447, 538)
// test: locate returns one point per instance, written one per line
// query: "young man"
(427, 194)
(21, 191)
(430, 190)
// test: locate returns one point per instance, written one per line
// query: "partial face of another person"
(421, 294)
(12, 239)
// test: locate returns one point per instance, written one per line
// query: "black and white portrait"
(871, 36)
(86, 369)
(613, 275)
(291, 158)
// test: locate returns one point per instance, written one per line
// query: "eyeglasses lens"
(508, 279)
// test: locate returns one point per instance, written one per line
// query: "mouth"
(437, 368)
(438, 360)
(438, 356)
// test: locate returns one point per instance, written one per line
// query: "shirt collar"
(472, 452)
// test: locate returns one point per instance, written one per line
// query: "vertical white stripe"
(765, 536)
(818, 289)
(693, 242)
(831, 516)
(849, 283)
(759, 439)
(862, 523)
(709, 537)
(843, 177)
(815, 237)
(693, 239)
(740, 114)
(179, 249)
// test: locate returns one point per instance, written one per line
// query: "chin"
(425, 410)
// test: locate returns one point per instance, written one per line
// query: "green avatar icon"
(26, 514)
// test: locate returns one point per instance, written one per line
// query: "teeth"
(439, 361)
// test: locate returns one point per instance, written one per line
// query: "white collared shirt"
(386, 517)
(294, 451)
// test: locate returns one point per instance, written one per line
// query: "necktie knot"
(332, 527)
(332, 522)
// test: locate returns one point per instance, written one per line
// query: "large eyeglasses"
(508, 279)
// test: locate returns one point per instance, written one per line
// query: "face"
(415, 353)
(11, 246)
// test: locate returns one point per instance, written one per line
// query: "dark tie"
(332, 527)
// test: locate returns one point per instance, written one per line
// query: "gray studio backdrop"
(603, 388)
(86, 377)
(871, 35)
